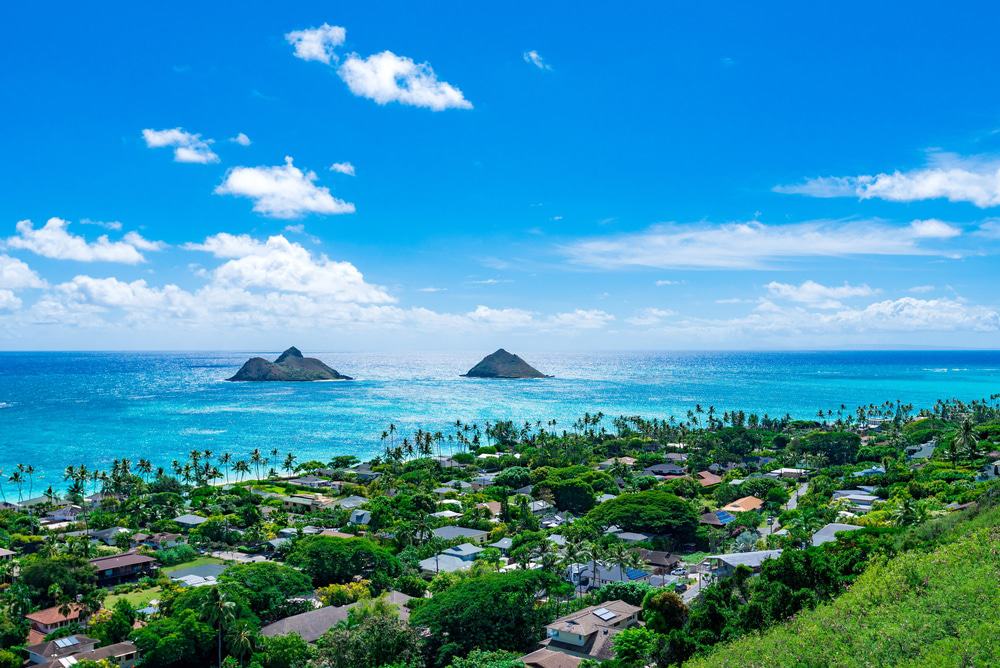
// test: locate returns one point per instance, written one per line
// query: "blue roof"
(724, 516)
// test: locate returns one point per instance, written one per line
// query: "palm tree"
(289, 464)
(592, 552)
(965, 439)
(225, 459)
(242, 641)
(3, 494)
(219, 613)
(18, 480)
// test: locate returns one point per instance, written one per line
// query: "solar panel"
(604, 614)
(68, 641)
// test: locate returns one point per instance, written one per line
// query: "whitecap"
(195, 431)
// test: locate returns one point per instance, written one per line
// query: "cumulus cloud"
(188, 147)
(749, 245)
(933, 228)
(283, 191)
(947, 176)
(649, 316)
(534, 58)
(385, 77)
(581, 319)
(9, 301)
(342, 168)
(279, 264)
(910, 313)
(56, 242)
(502, 317)
(241, 139)
(16, 275)
(317, 43)
(817, 295)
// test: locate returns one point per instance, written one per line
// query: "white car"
(679, 571)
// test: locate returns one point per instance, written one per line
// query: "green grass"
(138, 599)
(926, 609)
(695, 557)
(200, 561)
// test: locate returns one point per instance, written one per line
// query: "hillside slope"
(935, 608)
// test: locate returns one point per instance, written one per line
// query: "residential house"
(554, 520)
(746, 504)
(44, 622)
(360, 517)
(351, 502)
(665, 470)
(585, 577)
(51, 650)
(310, 481)
(504, 545)
(828, 534)
(588, 633)
(190, 520)
(540, 507)
(546, 658)
(483, 480)
(446, 514)
(454, 532)
(302, 504)
(311, 625)
(786, 472)
(493, 507)
(608, 464)
(157, 541)
(991, 471)
(123, 568)
(918, 452)
(717, 518)
(364, 473)
(6, 555)
(707, 478)
(858, 500)
(633, 536)
(659, 562)
(724, 565)
(878, 469)
(121, 655)
(457, 558)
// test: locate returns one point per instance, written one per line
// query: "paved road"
(793, 502)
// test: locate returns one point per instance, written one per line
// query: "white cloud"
(649, 316)
(503, 317)
(933, 228)
(279, 264)
(989, 229)
(9, 301)
(16, 275)
(113, 225)
(385, 77)
(909, 313)
(56, 242)
(665, 282)
(225, 245)
(284, 191)
(491, 281)
(188, 147)
(817, 295)
(342, 168)
(241, 139)
(581, 319)
(948, 176)
(317, 43)
(534, 58)
(749, 245)
(431, 289)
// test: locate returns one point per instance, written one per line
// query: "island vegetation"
(863, 537)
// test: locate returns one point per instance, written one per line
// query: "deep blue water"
(67, 408)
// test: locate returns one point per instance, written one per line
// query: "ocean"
(63, 408)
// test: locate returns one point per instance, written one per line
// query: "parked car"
(679, 571)
(681, 587)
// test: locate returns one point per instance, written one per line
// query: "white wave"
(195, 431)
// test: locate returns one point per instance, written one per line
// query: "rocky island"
(503, 364)
(290, 366)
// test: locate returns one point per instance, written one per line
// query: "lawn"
(138, 599)
(200, 561)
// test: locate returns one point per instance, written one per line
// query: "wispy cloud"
(949, 176)
(818, 295)
(188, 146)
(241, 139)
(752, 245)
(649, 316)
(284, 191)
(534, 58)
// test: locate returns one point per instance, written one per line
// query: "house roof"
(61, 647)
(121, 561)
(828, 534)
(190, 518)
(596, 617)
(546, 658)
(747, 503)
(718, 518)
(707, 478)
(658, 558)
(107, 652)
(751, 559)
(451, 532)
(309, 625)
(49, 616)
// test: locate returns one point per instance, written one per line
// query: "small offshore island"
(503, 364)
(290, 366)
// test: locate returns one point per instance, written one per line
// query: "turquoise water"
(58, 409)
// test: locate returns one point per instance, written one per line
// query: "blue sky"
(540, 176)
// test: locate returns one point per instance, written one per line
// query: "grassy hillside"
(934, 608)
